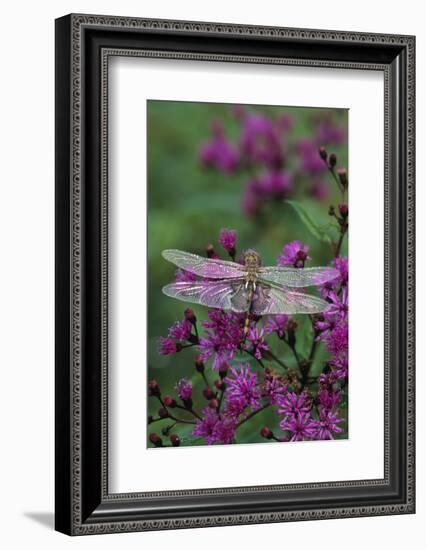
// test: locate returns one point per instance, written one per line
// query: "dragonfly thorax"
(252, 259)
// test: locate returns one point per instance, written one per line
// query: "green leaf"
(322, 233)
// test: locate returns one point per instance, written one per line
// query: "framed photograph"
(229, 348)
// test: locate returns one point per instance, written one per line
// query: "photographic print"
(247, 274)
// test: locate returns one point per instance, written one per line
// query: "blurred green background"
(188, 205)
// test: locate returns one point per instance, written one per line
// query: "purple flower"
(219, 152)
(327, 425)
(301, 426)
(205, 427)
(324, 324)
(261, 141)
(181, 330)
(251, 200)
(220, 349)
(223, 335)
(338, 306)
(328, 133)
(278, 324)
(235, 406)
(274, 389)
(341, 264)
(294, 254)
(256, 339)
(275, 184)
(224, 431)
(184, 276)
(228, 240)
(285, 122)
(292, 403)
(337, 341)
(214, 428)
(242, 384)
(319, 190)
(184, 389)
(310, 161)
(328, 399)
(166, 346)
(340, 366)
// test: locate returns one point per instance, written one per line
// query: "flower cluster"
(262, 151)
(254, 377)
(227, 392)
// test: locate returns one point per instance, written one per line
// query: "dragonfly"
(248, 287)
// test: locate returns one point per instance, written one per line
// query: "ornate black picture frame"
(84, 44)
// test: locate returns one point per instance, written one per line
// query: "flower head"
(337, 341)
(294, 254)
(328, 398)
(327, 425)
(223, 335)
(329, 133)
(261, 141)
(256, 341)
(274, 184)
(310, 162)
(292, 404)
(301, 426)
(277, 324)
(219, 153)
(242, 384)
(341, 264)
(214, 428)
(228, 240)
(251, 201)
(319, 190)
(184, 389)
(338, 306)
(167, 346)
(274, 388)
(181, 330)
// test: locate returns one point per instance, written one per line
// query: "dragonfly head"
(252, 258)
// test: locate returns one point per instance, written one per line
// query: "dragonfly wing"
(273, 301)
(298, 277)
(216, 294)
(205, 267)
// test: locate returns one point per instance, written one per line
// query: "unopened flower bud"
(219, 383)
(154, 388)
(323, 153)
(343, 177)
(169, 401)
(301, 256)
(208, 393)
(156, 439)
(190, 315)
(210, 251)
(344, 210)
(199, 364)
(266, 433)
(332, 160)
(162, 412)
(174, 440)
(213, 403)
(223, 370)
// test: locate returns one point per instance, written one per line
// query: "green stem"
(192, 411)
(252, 414)
(254, 357)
